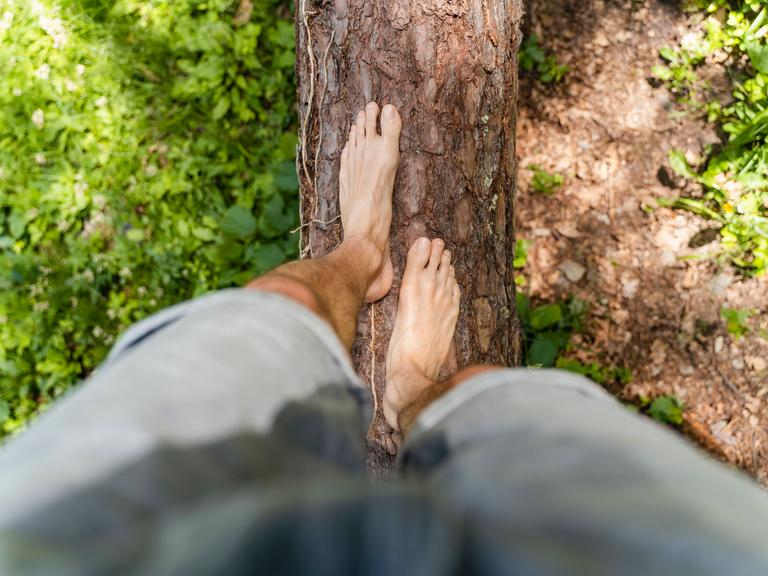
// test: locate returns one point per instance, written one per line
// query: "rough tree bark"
(450, 66)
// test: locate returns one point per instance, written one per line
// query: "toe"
(352, 135)
(418, 256)
(371, 118)
(436, 253)
(456, 293)
(445, 263)
(390, 122)
(360, 126)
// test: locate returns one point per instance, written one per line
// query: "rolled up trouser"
(226, 436)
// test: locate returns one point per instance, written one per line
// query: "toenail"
(389, 112)
(422, 245)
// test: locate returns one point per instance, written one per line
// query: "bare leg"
(424, 328)
(360, 270)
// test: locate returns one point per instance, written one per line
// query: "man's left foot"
(366, 181)
(424, 327)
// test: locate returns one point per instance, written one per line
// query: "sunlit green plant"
(734, 178)
(146, 156)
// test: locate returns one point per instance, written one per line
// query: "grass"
(146, 156)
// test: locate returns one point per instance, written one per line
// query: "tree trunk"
(450, 66)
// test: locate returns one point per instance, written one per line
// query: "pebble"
(738, 363)
(720, 283)
(630, 286)
(756, 363)
(573, 271)
(604, 218)
(719, 341)
(668, 258)
(690, 279)
(569, 230)
(541, 232)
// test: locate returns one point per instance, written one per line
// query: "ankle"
(404, 389)
(365, 253)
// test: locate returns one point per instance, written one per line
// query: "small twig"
(311, 55)
(373, 361)
(323, 222)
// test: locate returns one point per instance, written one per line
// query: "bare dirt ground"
(608, 129)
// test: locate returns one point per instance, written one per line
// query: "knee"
(290, 288)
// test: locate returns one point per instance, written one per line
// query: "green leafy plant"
(666, 409)
(596, 371)
(521, 259)
(548, 329)
(736, 321)
(734, 186)
(146, 156)
(544, 182)
(532, 57)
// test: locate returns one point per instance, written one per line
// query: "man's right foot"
(424, 327)
(367, 177)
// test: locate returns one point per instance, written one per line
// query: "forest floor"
(653, 310)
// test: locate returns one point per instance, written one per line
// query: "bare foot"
(368, 167)
(424, 328)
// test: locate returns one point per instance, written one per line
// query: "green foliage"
(665, 409)
(521, 259)
(532, 57)
(544, 182)
(734, 178)
(146, 156)
(736, 321)
(548, 329)
(596, 371)
(521, 253)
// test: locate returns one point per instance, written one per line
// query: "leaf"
(736, 320)
(277, 218)
(758, 55)
(266, 257)
(204, 234)
(523, 306)
(285, 177)
(545, 316)
(135, 234)
(680, 165)
(521, 253)
(669, 54)
(221, 108)
(666, 409)
(543, 351)
(238, 222)
(17, 223)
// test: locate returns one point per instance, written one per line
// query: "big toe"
(418, 256)
(390, 122)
